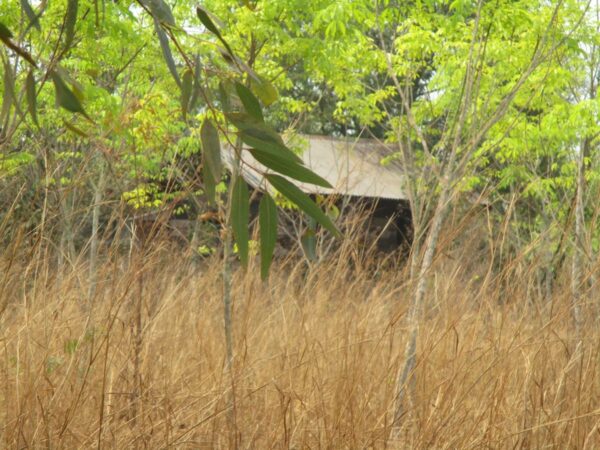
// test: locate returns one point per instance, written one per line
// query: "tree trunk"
(406, 379)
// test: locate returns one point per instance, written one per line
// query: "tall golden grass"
(317, 353)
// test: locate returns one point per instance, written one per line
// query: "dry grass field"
(317, 354)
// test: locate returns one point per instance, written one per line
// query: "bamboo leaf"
(5, 33)
(65, 97)
(208, 183)
(186, 91)
(250, 102)
(70, 20)
(8, 94)
(224, 97)
(74, 129)
(211, 149)
(31, 15)
(267, 218)
(204, 17)
(31, 97)
(289, 168)
(309, 244)
(258, 135)
(197, 88)
(303, 201)
(264, 90)
(240, 214)
(161, 11)
(166, 51)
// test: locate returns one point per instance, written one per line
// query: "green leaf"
(161, 11)
(197, 88)
(65, 96)
(250, 102)
(204, 17)
(276, 149)
(309, 244)
(8, 94)
(30, 13)
(5, 33)
(224, 97)
(70, 20)
(166, 51)
(264, 90)
(74, 129)
(240, 214)
(31, 97)
(303, 201)
(289, 168)
(186, 91)
(208, 184)
(258, 135)
(211, 149)
(267, 218)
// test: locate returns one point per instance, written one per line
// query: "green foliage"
(268, 233)
(240, 214)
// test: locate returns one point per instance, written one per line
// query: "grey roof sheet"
(352, 167)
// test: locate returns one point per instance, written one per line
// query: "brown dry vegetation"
(317, 354)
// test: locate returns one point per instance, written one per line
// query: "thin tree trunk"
(406, 381)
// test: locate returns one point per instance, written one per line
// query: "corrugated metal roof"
(352, 167)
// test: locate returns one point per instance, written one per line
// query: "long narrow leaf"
(303, 201)
(70, 20)
(208, 183)
(264, 90)
(161, 11)
(8, 94)
(31, 15)
(31, 97)
(166, 51)
(197, 88)
(267, 218)
(5, 33)
(211, 149)
(65, 97)
(204, 17)
(186, 91)
(288, 168)
(276, 149)
(250, 102)
(258, 135)
(240, 214)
